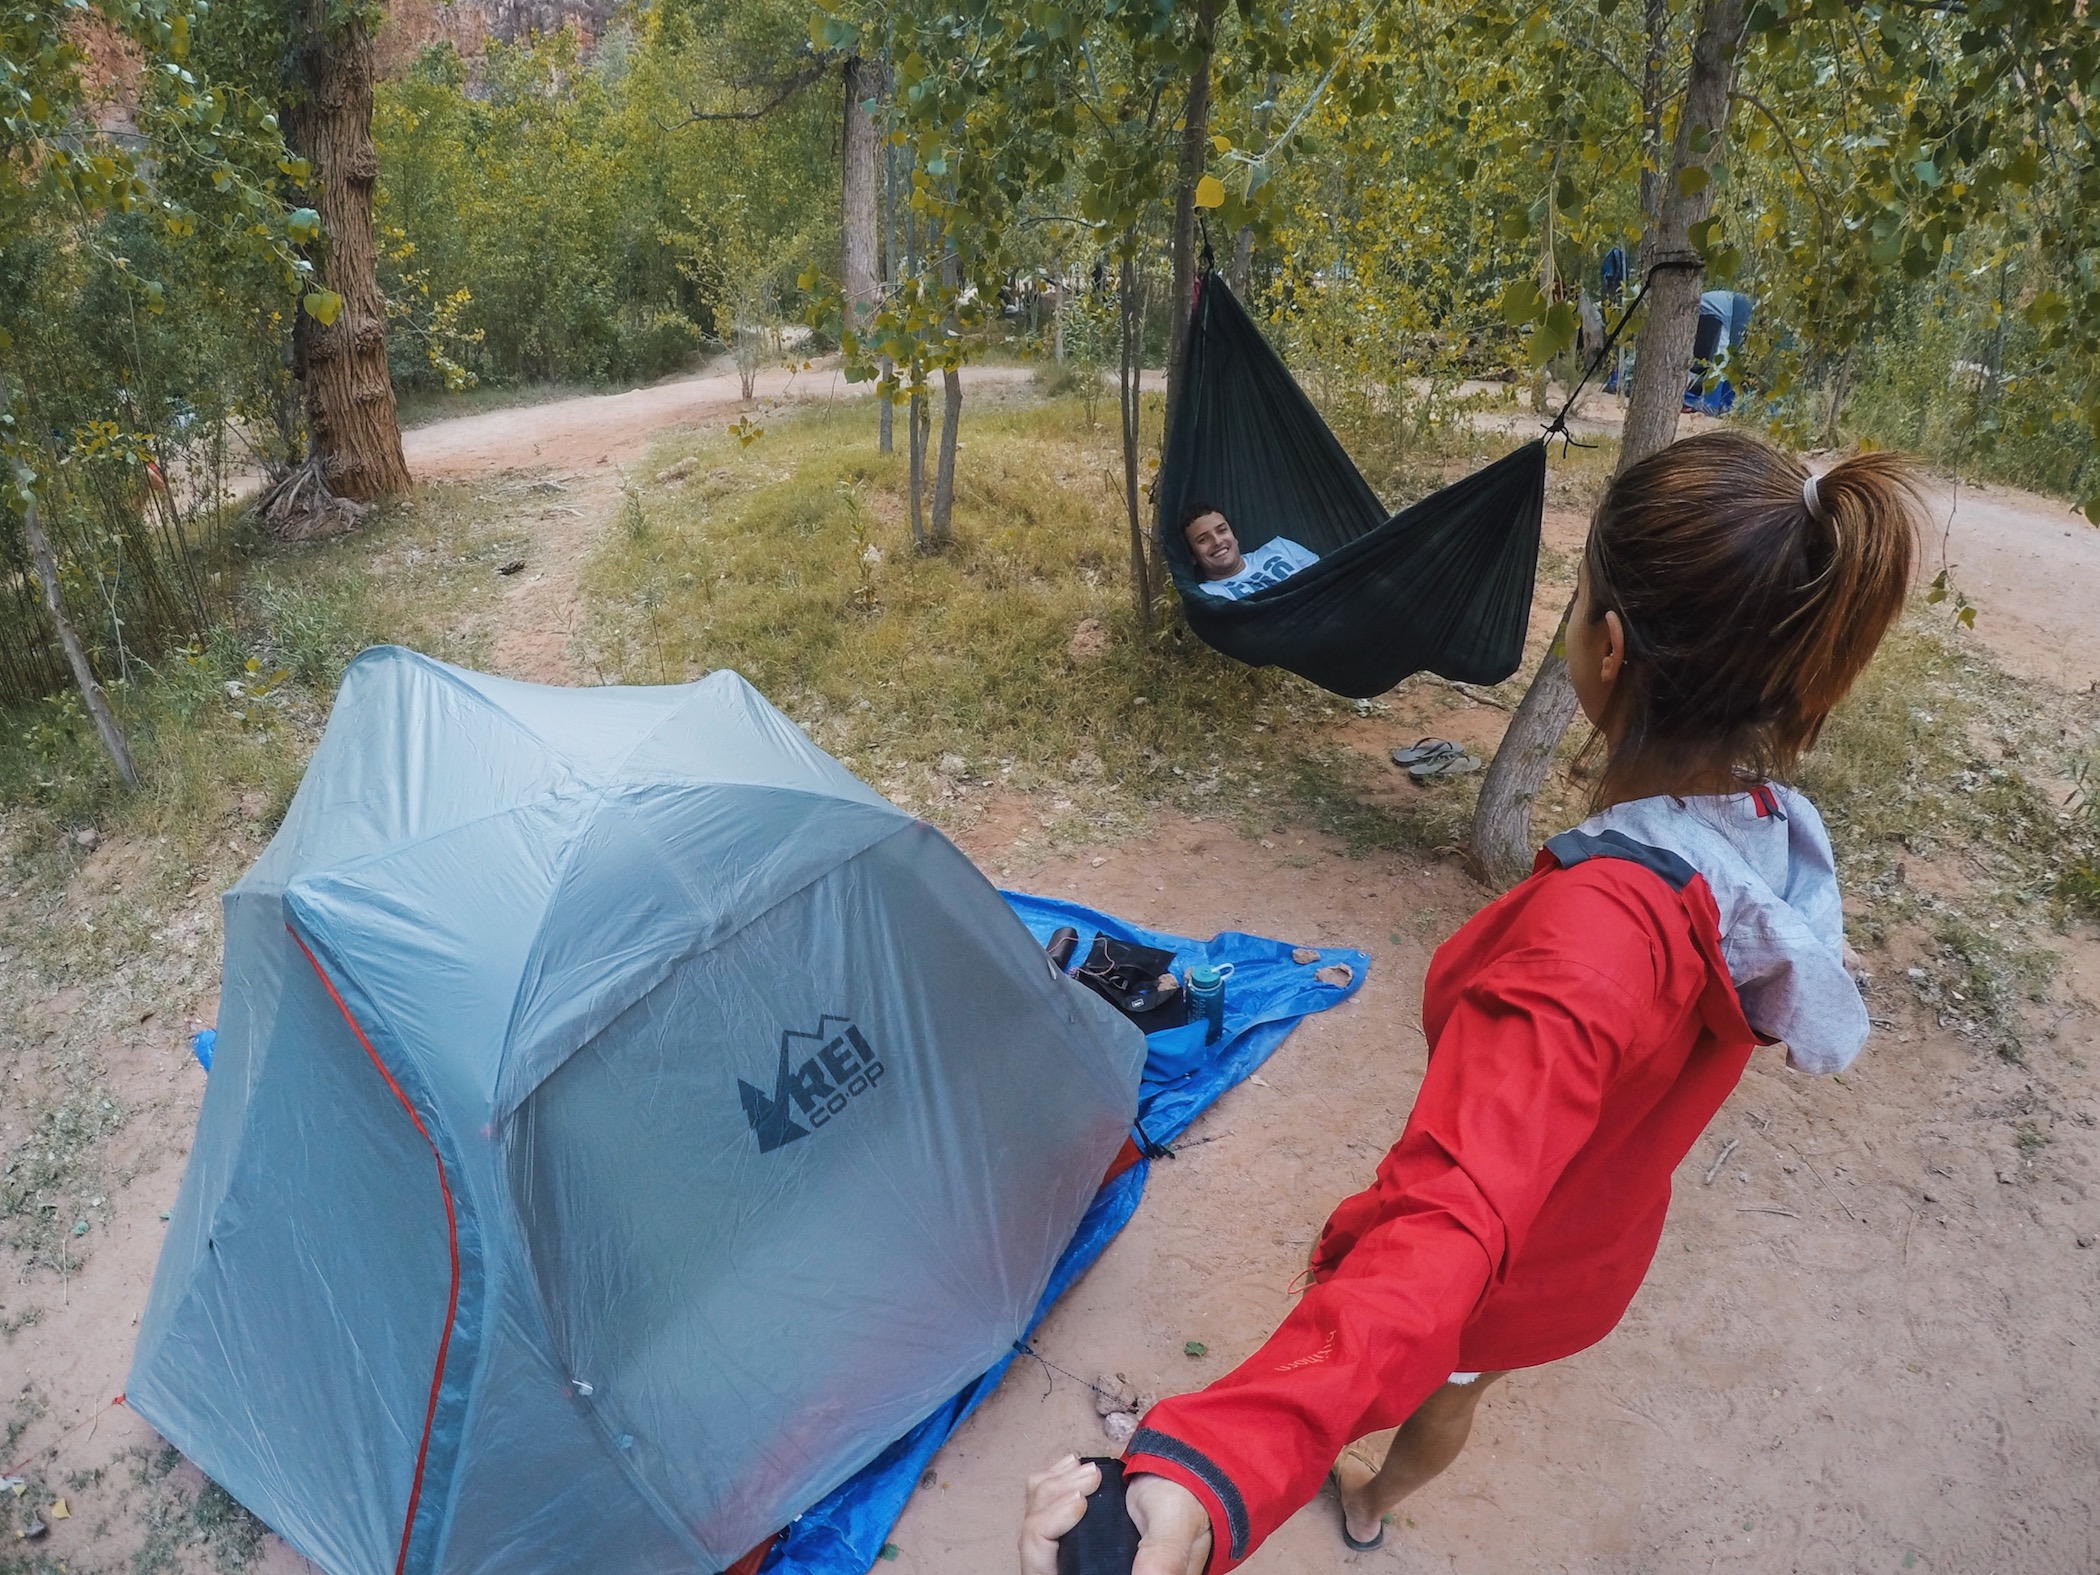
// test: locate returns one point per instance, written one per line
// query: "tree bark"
(83, 675)
(1130, 296)
(1242, 260)
(917, 420)
(1195, 153)
(1501, 843)
(857, 183)
(940, 530)
(885, 442)
(349, 394)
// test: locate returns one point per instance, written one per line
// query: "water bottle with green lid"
(1206, 987)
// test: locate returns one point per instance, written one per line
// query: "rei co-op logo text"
(820, 1075)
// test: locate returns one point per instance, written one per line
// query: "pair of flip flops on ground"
(1429, 758)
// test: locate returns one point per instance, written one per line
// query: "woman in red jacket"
(1585, 1027)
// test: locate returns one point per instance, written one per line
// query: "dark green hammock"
(1444, 585)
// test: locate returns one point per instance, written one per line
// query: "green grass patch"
(221, 730)
(1014, 658)
(1926, 776)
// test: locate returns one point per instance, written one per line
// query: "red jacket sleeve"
(1515, 1081)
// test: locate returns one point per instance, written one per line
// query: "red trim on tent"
(415, 1490)
(749, 1563)
(1126, 1156)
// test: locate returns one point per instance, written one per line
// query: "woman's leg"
(1427, 1442)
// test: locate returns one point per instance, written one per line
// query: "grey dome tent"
(623, 1123)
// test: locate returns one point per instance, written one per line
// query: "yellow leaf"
(1221, 144)
(1210, 192)
(59, 1510)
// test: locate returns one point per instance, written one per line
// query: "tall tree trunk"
(349, 395)
(1655, 37)
(1131, 299)
(1195, 153)
(885, 421)
(83, 675)
(1242, 260)
(916, 422)
(1663, 363)
(857, 183)
(940, 531)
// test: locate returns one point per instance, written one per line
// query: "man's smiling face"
(1215, 548)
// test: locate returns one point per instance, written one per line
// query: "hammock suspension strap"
(1558, 426)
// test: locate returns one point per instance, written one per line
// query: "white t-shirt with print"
(1275, 560)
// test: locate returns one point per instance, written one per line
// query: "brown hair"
(1747, 613)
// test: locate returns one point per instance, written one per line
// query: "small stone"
(87, 839)
(953, 766)
(678, 472)
(80, 1227)
(1336, 974)
(928, 1477)
(1096, 863)
(1929, 1197)
(1301, 955)
(1112, 1393)
(1914, 973)
(2085, 1241)
(32, 1529)
(1119, 1426)
(511, 566)
(1089, 641)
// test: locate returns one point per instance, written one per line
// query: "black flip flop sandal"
(1422, 750)
(1456, 764)
(1377, 1542)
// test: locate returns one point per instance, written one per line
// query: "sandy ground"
(1869, 1339)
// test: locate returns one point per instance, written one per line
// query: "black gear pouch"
(1129, 977)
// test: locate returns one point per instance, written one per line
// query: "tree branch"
(783, 90)
(1807, 181)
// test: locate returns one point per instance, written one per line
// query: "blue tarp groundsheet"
(1267, 996)
(1269, 993)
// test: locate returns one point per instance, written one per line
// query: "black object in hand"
(1062, 943)
(1105, 1542)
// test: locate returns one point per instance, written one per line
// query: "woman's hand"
(1174, 1524)
(1056, 1503)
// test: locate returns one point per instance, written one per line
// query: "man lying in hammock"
(1225, 569)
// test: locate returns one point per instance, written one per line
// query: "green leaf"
(303, 225)
(1693, 179)
(323, 306)
(1966, 617)
(1521, 303)
(1724, 264)
(1194, 1348)
(1515, 223)
(1555, 332)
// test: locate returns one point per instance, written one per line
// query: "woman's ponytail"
(1753, 593)
(1864, 510)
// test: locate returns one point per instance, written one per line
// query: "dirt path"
(573, 455)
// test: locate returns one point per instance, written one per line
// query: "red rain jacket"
(1583, 1031)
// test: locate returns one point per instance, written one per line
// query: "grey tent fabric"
(623, 1124)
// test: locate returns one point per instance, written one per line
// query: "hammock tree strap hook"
(1558, 426)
